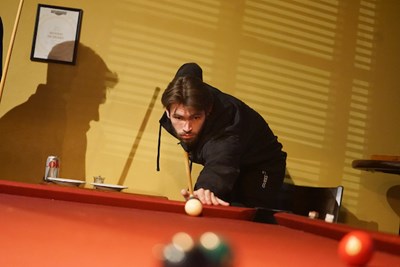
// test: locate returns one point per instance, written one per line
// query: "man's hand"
(205, 196)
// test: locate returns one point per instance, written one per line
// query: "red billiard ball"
(356, 248)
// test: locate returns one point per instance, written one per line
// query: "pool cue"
(188, 172)
(135, 144)
(8, 56)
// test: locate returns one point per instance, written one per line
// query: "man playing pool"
(243, 161)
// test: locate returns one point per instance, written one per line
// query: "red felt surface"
(40, 231)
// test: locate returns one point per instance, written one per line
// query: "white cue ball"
(193, 207)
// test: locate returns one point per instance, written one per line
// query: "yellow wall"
(324, 75)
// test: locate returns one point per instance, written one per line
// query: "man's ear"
(167, 112)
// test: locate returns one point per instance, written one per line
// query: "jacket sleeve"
(221, 166)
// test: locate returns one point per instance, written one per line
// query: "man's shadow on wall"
(55, 119)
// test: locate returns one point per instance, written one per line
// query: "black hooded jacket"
(234, 138)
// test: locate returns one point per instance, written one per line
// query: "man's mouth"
(187, 136)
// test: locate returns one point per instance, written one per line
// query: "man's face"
(187, 122)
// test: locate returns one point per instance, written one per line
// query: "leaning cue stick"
(7, 61)
(188, 173)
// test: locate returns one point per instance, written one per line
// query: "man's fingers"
(185, 193)
(206, 197)
(221, 202)
(214, 199)
(200, 195)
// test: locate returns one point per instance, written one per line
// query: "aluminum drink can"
(52, 167)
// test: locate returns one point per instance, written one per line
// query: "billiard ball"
(216, 250)
(173, 256)
(193, 207)
(178, 251)
(356, 248)
(183, 241)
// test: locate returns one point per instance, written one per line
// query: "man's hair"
(189, 91)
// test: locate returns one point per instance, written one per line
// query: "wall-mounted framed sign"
(56, 35)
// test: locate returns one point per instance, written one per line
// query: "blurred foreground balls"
(210, 251)
(182, 252)
(356, 248)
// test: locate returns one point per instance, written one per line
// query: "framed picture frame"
(56, 34)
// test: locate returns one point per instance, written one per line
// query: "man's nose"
(187, 127)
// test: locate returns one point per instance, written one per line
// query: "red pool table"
(51, 225)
